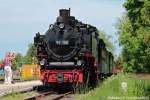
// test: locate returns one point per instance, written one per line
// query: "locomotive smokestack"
(64, 15)
(64, 12)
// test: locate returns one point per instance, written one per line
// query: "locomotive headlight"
(79, 62)
(61, 25)
(42, 62)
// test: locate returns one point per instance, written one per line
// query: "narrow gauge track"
(48, 94)
(62, 96)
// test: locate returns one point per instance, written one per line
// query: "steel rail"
(40, 96)
(62, 96)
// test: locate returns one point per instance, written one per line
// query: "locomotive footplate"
(62, 76)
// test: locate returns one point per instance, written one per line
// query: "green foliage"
(31, 53)
(27, 59)
(31, 50)
(134, 36)
(17, 62)
(112, 88)
(119, 62)
(105, 38)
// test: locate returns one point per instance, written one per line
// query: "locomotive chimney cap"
(64, 12)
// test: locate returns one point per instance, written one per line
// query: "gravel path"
(18, 87)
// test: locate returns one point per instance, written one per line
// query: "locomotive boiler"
(72, 52)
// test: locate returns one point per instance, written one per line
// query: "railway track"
(62, 96)
(51, 95)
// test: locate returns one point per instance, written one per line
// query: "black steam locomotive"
(72, 52)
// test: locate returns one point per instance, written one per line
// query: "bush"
(111, 88)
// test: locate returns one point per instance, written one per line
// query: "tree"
(134, 36)
(31, 54)
(17, 62)
(105, 38)
(27, 59)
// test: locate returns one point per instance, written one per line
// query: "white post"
(124, 86)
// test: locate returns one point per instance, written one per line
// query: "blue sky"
(21, 19)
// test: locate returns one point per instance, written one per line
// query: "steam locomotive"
(72, 52)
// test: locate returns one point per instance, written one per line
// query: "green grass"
(18, 96)
(111, 88)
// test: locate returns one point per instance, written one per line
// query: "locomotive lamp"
(79, 62)
(61, 25)
(42, 62)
